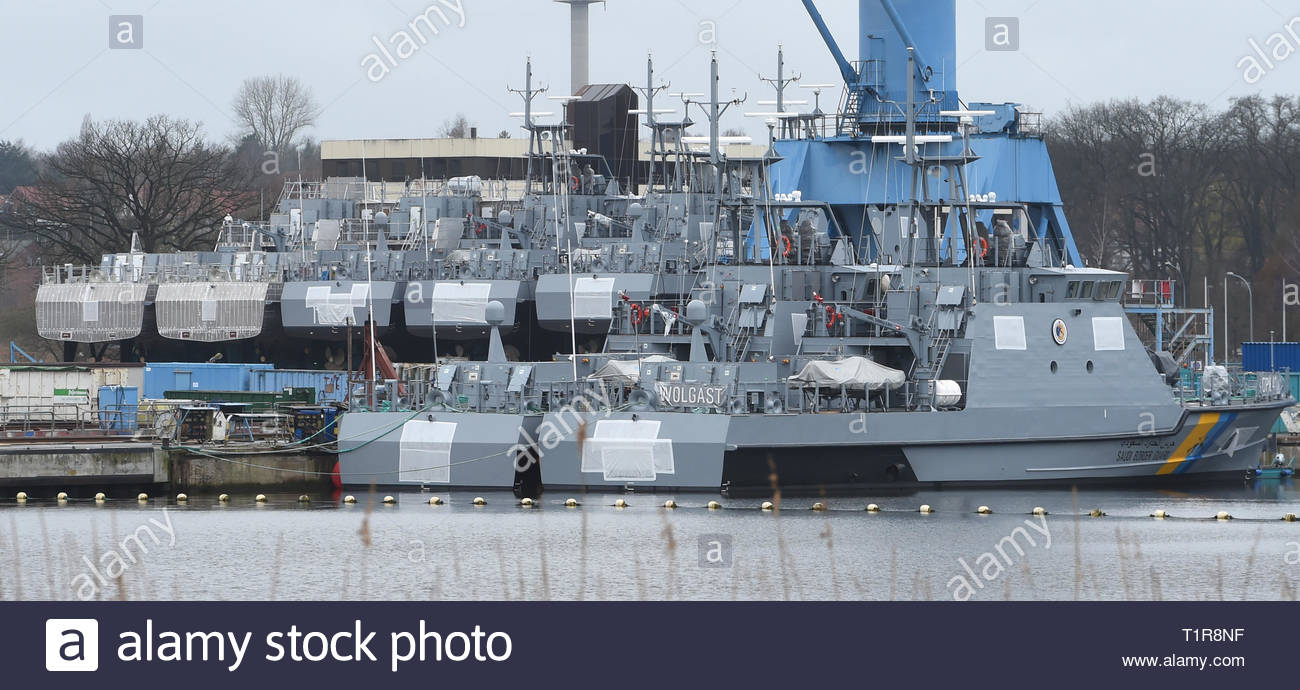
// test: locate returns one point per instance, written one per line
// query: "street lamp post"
(1251, 292)
(1181, 279)
(1227, 342)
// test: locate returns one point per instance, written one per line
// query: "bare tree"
(274, 110)
(456, 128)
(158, 179)
(1142, 182)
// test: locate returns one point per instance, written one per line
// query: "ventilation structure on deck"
(210, 311)
(90, 312)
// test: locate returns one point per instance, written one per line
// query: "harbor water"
(325, 549)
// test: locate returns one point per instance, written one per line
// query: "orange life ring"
(984, 247)
(786, 241)
(832, 316)
(637, 314)
(573, 181)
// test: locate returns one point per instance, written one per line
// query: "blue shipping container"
(179, 376)
(330, 385)
(1270, 356)
(118, 406)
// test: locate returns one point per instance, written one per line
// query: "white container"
(43, 394)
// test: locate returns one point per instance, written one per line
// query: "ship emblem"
(1059, 332)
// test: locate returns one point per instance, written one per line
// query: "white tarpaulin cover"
(593, 298)
(336, 308)
(454, 303)
(628, 370)
(856, 373)
(626, 450)
(424, 454)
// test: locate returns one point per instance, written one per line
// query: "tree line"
(161, 180)
(1174, 189)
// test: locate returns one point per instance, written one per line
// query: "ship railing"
(1029, 123)
(199, 272)
(488, 396)
(247, 236)
(340, 188)
(1151, 293)
(1239, 388)
(45, 421)
(652, 321)
(817, 399)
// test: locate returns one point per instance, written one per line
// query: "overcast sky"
(58, 67)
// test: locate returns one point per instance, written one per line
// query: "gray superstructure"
(923, 318)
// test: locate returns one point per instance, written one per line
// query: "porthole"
(1054, 367)
(1090, 367)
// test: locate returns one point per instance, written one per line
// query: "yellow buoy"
(142, 497)
(100, 497)
(223, 498)
(1289, 517)
(926, 509)
(570, 503)
(349, 499)
(873, 508)
(819, 506)
(304, 499)
(1160, 515)
(767, 505)
(435, 501)
(181, 498)
(479, 501)
(22, 497)
(714, 505)
(620, 503)
(984, 510)
(670, 504)
(1223, 515)
(1039, 510)
(389, 500)
(526, 502)
(260, 498)
(1096, 512)
(63, 496)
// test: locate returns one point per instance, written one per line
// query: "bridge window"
(1072, 292)
(1086, 291)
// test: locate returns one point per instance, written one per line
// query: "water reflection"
(287, 548)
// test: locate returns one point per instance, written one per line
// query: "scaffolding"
(1186, 333)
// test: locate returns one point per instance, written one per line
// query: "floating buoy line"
(61, 498)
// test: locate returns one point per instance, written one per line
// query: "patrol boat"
(900, 302)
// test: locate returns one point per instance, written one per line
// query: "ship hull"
(676, 451)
